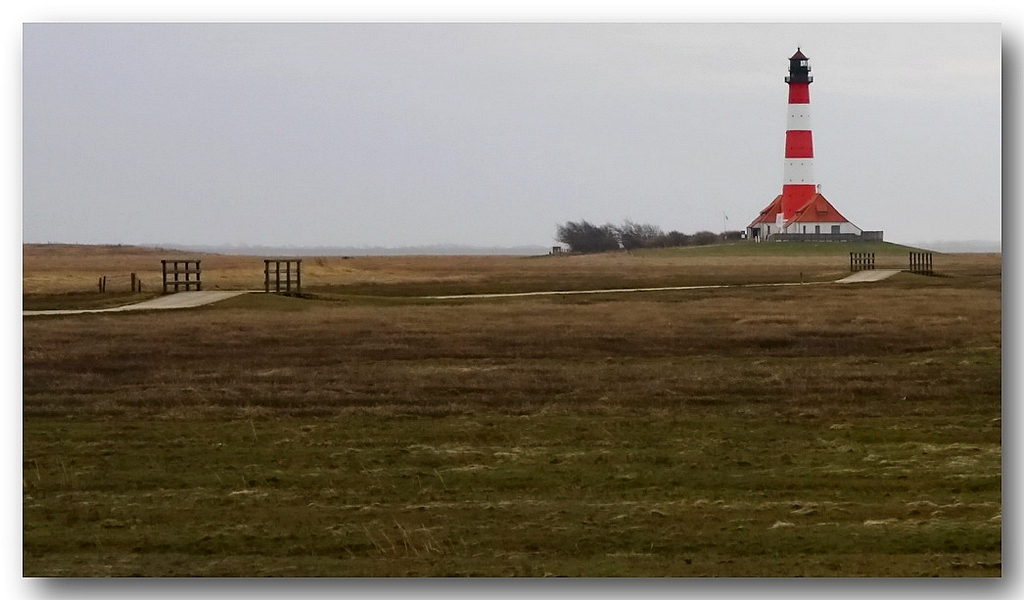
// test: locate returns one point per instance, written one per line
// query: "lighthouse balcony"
(799, 79)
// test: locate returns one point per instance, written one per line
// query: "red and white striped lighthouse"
(800, 212)
(798, 186)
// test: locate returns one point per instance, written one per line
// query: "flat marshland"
(363, 430)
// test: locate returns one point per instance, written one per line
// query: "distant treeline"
(586, 237)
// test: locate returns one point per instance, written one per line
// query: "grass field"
(815, 430)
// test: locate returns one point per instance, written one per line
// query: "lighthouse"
(798, 171)
(800, 212)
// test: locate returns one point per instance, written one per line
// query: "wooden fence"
(862, 261)
(292, 275)
(182, 272)
(921, 262)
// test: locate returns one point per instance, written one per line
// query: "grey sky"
(491, 134)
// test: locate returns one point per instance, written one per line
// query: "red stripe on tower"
(798, 185)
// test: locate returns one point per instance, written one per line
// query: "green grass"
(785, 249)
(82, 300)
(499, 495)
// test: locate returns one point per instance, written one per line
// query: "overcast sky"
(492, 134)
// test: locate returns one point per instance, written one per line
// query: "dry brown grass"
(714, 346)
(64, 269)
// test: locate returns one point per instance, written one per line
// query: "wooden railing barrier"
(287, 280)
(179, 268)
(862, 261)
(921, 262)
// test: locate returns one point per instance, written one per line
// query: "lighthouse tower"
(800, 212)
(798, 174)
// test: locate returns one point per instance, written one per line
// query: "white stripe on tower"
(799, 117)
(798, 171)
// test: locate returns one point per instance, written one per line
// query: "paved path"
(618, 290)
(859, 277)
(872, 275)
(179, 300)
(192, 299)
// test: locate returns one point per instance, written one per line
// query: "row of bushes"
(586, 237)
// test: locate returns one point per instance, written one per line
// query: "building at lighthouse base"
(817, 220)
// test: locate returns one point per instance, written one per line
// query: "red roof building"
(770, 215)
(817, 217)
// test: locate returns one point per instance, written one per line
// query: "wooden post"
(921, 262)
(298, 276)
(288, 276)
(266, 276)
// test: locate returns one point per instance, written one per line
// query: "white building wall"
(844, 227)
(764, 230)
